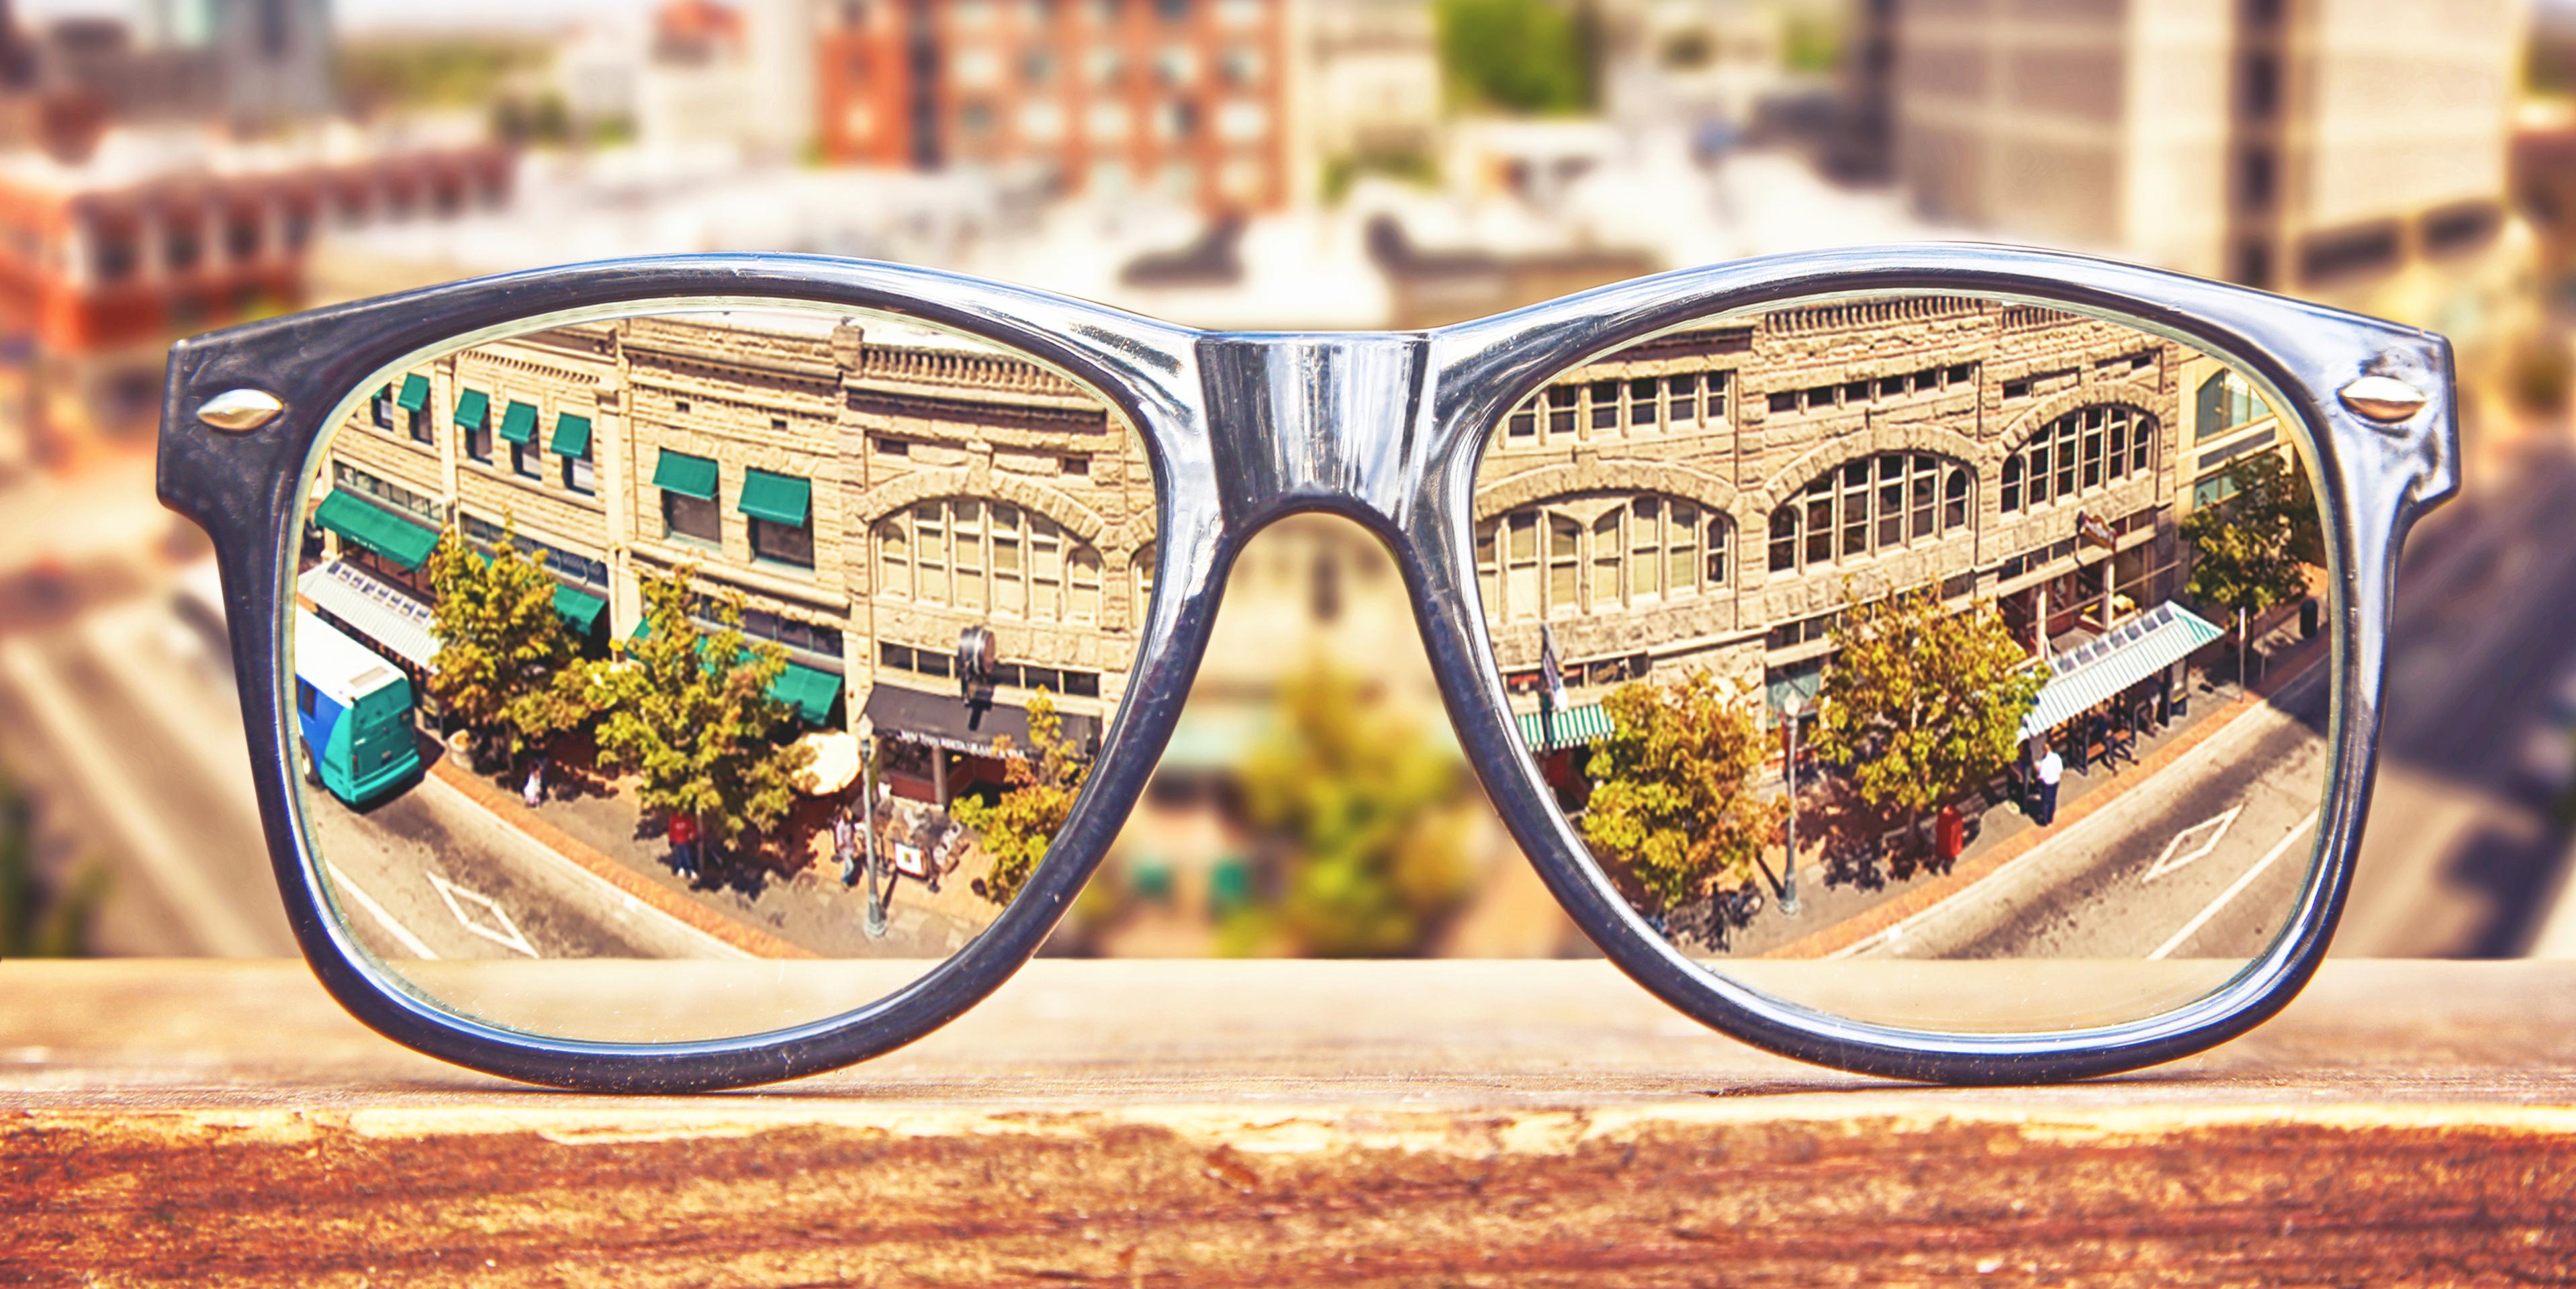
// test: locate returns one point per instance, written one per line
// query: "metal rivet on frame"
(2385, 399)
(240, 409)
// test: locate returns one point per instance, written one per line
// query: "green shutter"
(579, 608)
(519, 424)
(415, 393)
(778, 498)
(471, 407)
(406, 544)
(686, 475)
(572, 436)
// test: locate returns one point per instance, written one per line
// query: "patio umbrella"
(835, 765)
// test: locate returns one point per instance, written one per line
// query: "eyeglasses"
(1948, 663)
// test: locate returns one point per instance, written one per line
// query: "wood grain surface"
(1262, 1124)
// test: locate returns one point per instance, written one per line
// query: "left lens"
(697, 672)
(2026, 597)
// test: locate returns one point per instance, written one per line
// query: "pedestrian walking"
(2049, 769)
(845, 846)
(684, 845)
(534, 790)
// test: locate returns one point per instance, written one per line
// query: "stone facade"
(1919, 417)
(1041, 498)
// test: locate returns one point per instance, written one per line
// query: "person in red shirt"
(684, 844)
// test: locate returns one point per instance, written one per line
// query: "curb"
(510, 810)
(1887, 913)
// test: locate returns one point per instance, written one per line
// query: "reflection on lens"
(752, 638)
(1986, 574)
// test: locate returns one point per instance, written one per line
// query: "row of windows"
(2076, 454)
(344, 475)
(1870, 507)
(407, 413)
(700, 519)
(570, 566)
(972, 554)
(1635, 404)
(1827, 397)
(934, 662)
(2029, 385)
(1640, 549)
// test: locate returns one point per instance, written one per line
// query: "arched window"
(1599, 554)
(1868, 507)
(968, 553)
(2226, 402)
(2076, 454)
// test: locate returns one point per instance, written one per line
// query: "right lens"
(1985, 573)
(708, 636)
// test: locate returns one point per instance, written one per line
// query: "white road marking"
(2235, 731)
(2217, 824)
(341, 885)
(508, 937)
(182, 880)
(2234, 889)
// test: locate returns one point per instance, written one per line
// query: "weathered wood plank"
(1286, 1124)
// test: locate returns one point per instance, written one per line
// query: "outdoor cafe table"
(1285, 1123)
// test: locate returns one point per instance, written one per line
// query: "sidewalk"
(1840, 912)
(805, 913)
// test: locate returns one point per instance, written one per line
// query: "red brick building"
(1185, 97)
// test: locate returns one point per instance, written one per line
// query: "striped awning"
(387, 617)
(1573, 727)
(2134, 650)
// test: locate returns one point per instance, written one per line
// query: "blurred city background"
(170, 166)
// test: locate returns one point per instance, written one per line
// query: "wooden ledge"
(1135, 1123)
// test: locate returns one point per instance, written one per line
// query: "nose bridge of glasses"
(1314, 421)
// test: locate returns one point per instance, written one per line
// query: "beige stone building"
(1712, 498)
(869, 490)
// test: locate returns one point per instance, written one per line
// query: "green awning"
(580, 608)
(686, 475)
(471, 407)
(415, 393)
(778, 498)
(809, 691)
(1573, 727)
(572, 436)
(405, 544)
(519, 424)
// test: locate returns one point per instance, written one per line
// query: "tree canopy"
(1519, 55)
(1043, 784)
(1674, 801)
(2250, 551)
(507, 665)
(1921, 703)
(1368, 809)
(690, 714)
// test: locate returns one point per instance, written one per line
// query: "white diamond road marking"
(2216, 825)
(507, 936)
(2228, 896)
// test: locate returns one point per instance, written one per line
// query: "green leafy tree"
(1369, 809)
(36, 921)
(2250, 551)
(507, 664)
(1921, 703)
(1017, 828)
(1674, 802)
(1519, 55)
(690, 714)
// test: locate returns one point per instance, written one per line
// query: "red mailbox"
(1949, 833)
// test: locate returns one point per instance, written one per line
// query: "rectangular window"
(782, 543)
(894, 558)
(1520, 583)
(1784, 541)
(1855, 509)
(1681, 562)
(1010, 575)
(381, 408)
(1717, 553)
(887, 447)
(2065, 458)
(1960, 375)
(1046, 568)
(692, 518)
(1891, 502)
(1820, 522)
(1856, 392)
(1564, 565)
(930, 547)
(1925, 485)
(1821, 398)
(2038, 470)
(1608, 556)
(1489, 569)
(523, 461)
(966, 545)
(1643, 403)
(1682, 390)
(1561, 400)
(1787, 402)
(1718, 383)
(1605, 404)
(1524, 422)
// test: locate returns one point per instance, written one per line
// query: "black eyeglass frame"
(1386, 428)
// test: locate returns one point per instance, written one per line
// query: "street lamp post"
(868, 831)
(1789, 709)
